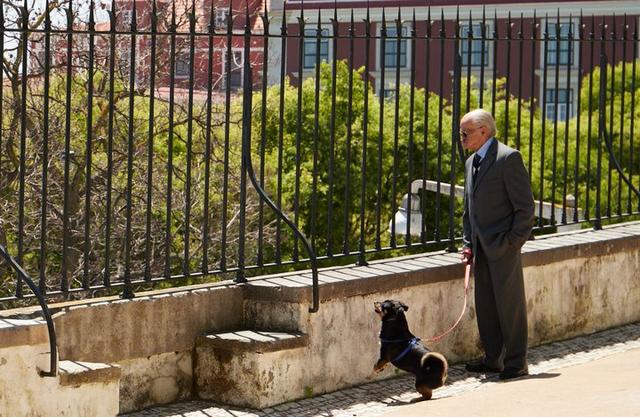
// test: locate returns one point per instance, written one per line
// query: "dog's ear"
(404, 306)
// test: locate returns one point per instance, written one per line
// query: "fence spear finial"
(133, 17)
(91, 16)
(368, 9)
(173, 16)
(283, 27)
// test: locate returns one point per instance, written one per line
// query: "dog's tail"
(435, 368)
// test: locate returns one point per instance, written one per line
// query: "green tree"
(308, 154)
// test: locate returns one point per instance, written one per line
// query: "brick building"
(181, 33)
(507, 39)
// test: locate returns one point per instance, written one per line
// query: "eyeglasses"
(465, 134)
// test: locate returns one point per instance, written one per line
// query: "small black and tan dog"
(400, 347)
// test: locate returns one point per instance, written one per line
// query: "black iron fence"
(129, 136)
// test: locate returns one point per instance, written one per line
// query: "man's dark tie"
(477, 160)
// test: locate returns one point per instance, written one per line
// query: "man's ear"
(404, 306)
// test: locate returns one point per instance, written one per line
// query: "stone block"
(251, 368)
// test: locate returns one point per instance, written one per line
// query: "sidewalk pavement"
(589, 376)
(605, 387)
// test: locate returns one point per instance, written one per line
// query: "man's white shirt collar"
(485, 148)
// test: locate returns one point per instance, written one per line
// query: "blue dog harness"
(412, 342)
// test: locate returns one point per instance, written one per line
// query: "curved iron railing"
(606, 135)
(247, 169)
(53, 364)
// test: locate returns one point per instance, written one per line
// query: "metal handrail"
(53, 364)
(247, 169)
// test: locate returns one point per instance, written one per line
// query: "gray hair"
(483, 118)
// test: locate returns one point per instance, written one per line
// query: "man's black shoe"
(510, 373)
(479, 366)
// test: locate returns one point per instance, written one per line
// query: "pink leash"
(467, 272)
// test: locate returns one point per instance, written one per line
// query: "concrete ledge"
(254, 341)
(378, 276)
(15, 332)
(409, 271)
(581, 244)
(150, 324)
(77, 373)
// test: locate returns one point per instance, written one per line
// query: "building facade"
(540, 48)
(184, 44)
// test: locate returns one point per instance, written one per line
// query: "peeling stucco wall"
(157, 379)
(152, 323)
(24, 393)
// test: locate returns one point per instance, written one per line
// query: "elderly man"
(497, 221)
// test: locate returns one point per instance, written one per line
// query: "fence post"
(456, 145)
(247, 170)
(127, 292)
(597, 225)
(247, 96)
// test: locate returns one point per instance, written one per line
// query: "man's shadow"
(542, 375)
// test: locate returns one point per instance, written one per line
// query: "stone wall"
(576, 284)
(151, 337)
(23, 392)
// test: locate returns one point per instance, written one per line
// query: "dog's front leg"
(379, 366)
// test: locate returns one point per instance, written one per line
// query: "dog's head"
(389, 308)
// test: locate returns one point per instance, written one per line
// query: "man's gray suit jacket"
(498, 207)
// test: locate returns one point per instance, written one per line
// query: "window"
(235, 76)
(564, 101)
(471, 50)
(182, 65)
(220, 18)
(310, 44)
(126, 17)
(560, 53)
(389, 93)
(123, 61)
(39, 56)
(392, 49)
